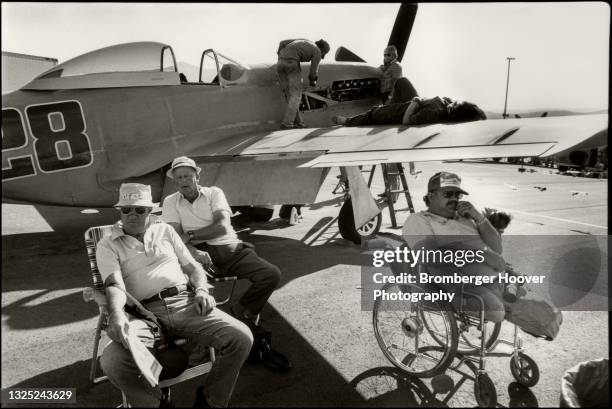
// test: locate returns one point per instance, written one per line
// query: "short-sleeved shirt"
(200, 213)
(147, 267)
(390, 73)
(302, 50)
(442, 231)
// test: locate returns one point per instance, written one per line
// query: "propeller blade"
(402, 28)
(346, 55)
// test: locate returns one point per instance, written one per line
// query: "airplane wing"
(352, 146)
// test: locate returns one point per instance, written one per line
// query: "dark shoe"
(245, 317)
(165, 401)
(283, 126)
(300, 125)
(200, 400)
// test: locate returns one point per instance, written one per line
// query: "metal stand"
(388, 171)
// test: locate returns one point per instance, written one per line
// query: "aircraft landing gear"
(346, 224)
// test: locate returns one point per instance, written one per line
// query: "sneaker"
(339, 119)
(300, 125)
(285, 126)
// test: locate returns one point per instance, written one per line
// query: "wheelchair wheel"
(525, 370)
(484, 390)
(419, 338)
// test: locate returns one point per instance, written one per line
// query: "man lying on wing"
(418, 111)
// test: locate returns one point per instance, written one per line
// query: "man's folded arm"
(218, 228)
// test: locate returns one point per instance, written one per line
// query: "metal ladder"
(389, 171)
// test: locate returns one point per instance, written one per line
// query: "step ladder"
(389, 170)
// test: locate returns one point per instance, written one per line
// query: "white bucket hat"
(182, 161)
(135, 194)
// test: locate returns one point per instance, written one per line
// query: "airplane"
(122, 113)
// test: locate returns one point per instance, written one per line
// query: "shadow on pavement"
(55, 311)
(311, 382)
(39, 263)
(391, 387)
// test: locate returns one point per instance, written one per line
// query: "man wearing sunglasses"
(391, 72)
(451, 223)
(149, 261)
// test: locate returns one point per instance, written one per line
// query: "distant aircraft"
(76, 132)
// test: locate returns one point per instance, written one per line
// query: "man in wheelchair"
(149, 261)
(450, 223)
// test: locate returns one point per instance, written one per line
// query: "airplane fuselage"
(75, 146)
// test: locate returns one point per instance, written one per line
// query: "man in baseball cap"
(451, 223)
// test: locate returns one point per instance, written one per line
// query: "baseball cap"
(446, 181)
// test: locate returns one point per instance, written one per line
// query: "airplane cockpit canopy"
(122, 65)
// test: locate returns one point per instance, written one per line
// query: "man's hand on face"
(466, 209)
(204, 302)
(118, 328)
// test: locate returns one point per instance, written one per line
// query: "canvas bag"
(535, 315)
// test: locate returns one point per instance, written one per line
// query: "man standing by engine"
(391, 72)
(290, 54)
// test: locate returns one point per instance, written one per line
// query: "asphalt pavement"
(315, 315)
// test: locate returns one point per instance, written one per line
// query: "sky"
(459, 50)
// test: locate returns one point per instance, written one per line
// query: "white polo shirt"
(199, 214)
(147, 268)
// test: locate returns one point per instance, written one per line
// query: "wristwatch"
(201, 288)
(191, 235)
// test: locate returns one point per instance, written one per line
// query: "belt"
(168, 292)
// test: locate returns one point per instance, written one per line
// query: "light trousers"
(230, 338)
(290, 77)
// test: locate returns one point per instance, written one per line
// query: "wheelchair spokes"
(406, 332)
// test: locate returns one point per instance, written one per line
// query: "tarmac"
(315, 315)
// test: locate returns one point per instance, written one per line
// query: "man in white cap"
(449, 223)
(290, 54)
(149, 261)
(391, 72)
(201, 215)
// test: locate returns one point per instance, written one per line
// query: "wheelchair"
(425, 338)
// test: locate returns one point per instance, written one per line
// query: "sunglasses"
(138, 210)
(451, 193)
(388, 55)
